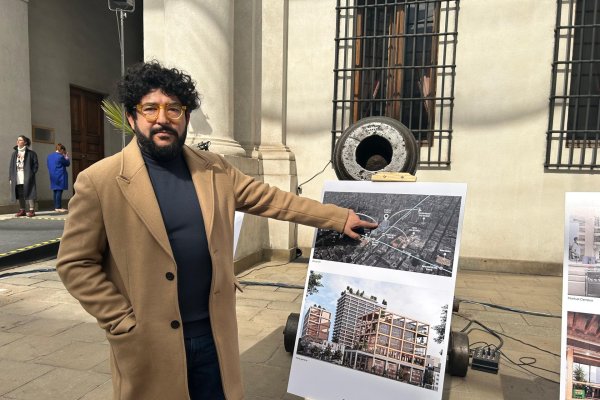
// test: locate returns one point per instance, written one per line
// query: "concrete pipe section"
(375, 144)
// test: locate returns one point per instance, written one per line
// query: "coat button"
(175, 324)
(170, 276)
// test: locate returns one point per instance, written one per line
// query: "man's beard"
(161, 153)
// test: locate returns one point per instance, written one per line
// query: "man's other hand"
(353, 223)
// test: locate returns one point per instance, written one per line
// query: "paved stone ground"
(51, 349)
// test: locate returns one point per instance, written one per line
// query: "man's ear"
(131, 121)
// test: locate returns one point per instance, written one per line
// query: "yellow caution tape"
(33, 246)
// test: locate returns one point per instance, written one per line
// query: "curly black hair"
(142, 78)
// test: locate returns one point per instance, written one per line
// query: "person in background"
(59, 179)
(21, 176)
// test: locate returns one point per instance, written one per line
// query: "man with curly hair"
(147, 247)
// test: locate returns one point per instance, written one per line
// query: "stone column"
(278, 162)
(15, 102)
(197, 36)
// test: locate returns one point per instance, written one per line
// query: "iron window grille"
(573, 136)
(396, 58)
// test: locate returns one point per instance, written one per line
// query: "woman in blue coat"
(59, 179)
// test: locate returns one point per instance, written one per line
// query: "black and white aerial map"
(416, 232)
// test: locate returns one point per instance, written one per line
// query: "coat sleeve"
(34, 162)
(80, 257)
(259, 198)
(65, 161)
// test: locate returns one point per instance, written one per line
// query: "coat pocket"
(124, 326)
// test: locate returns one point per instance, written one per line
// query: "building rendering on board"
(316, 324)
(350, 306)
(390, 345)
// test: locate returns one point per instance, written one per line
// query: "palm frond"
(116, 116)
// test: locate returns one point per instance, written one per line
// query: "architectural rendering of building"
(316, 324)
(390, 345)
(350, 306)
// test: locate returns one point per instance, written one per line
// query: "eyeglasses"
(150, 111)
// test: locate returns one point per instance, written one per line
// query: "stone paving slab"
(51, 349)
(59, 383)
(14, 374)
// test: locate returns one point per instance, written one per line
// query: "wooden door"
(87, 129)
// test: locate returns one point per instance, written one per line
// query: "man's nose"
(161, 118)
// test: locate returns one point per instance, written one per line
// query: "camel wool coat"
(115, 255)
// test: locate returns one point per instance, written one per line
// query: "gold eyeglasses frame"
(154, 117)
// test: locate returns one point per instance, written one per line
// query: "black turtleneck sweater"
(180, 209)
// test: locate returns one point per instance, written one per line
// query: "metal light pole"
(121, 8)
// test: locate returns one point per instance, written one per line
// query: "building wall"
(68, 43)
(15, 102)
(515, 211)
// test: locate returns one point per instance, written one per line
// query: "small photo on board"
(416, 232)
(582, 250)
(582, 356)
(354, 326)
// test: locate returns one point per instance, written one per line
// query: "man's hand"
(354, 222)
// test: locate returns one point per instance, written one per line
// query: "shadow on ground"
(266, 368)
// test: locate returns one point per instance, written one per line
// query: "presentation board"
(375, 319)
(580, 339)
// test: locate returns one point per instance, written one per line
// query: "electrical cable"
(480, 342)
(8, 274)
(505, 308)
(489, 330)
(313, 177)
(531, 364)
(298, 255)
(522, 363)
(528, 344)
(277, 284)
(522, 366)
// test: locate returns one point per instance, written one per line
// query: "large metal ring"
(375, 144)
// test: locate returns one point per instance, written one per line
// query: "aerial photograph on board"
(416, 232)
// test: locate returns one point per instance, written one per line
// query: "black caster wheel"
(458, 354)
(289, 332)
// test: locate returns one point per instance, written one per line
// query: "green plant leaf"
(115, 114)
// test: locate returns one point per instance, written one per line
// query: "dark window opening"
(573, 134)
(396, 58)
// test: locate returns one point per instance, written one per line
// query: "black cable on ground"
(276, 284)
(33, 271)
(522, 366)
(489, 330)
(528, 344)
(505, 308)
(298, 255)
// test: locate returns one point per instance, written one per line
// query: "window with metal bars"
(573, 137)
(396, 58)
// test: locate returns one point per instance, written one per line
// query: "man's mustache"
(163, 128)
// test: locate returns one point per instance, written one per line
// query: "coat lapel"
(136, 186)
(203, 178)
